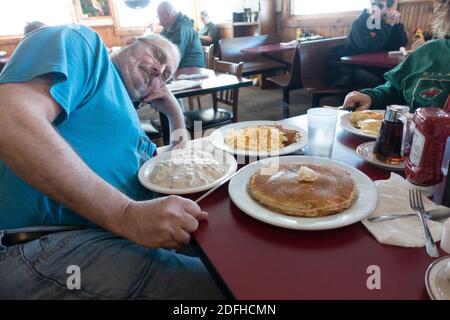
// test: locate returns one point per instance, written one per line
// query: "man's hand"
(161, 223)
(357, 101)
(164, 101)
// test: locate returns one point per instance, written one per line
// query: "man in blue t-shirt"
(70, 149)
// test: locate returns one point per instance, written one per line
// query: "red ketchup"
(423, 165)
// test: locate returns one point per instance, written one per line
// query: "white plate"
(347, 125)
(438, 286)
(147, 169)
(363, 206)
(365, 151)
(217, 138)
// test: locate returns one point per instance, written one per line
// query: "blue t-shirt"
(98, 121)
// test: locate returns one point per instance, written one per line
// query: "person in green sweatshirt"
(179, 29)
(421, 80)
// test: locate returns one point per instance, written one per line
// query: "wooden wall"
(414, 13)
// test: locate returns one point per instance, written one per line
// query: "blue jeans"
(109, 268)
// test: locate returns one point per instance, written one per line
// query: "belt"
(12, 237)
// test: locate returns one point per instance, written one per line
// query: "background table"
(269, 49)
(213, 82)
(254, 260)
(378, 59)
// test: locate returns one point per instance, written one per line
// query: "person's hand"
(161, 223)
(164, 101)
(392, 17)
(357, 101)
(159, 99)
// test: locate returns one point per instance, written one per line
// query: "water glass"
(321, 131)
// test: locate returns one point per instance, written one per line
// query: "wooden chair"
(208, 51)
(313, 66)
(214, 116)
(289, 81)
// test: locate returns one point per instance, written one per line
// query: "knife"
(216, 187)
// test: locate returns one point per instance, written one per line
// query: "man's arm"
(164, 101)
(31, 147)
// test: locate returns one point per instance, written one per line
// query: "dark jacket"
(182, 34)
(364, 40)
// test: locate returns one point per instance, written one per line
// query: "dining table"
(378, 59)
(272, 51)
(253, 260)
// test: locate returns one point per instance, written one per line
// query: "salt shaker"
(445, 239)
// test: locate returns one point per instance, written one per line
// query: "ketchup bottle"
(423, 166)
(447, 105)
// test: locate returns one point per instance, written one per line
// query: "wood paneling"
(414, 13)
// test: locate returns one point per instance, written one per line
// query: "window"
(222, 11)
(302, 7)
(132, 18)
(19, 12)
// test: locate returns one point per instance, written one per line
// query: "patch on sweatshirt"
(430, 93)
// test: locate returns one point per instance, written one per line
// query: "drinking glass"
(321, 131)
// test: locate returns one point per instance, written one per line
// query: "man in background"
(179, 29)
(209, 32)
(31, 26)
(374, 31)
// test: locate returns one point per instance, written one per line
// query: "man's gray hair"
(204, 14)
(441, 21)
(167, 6)
(161, 42)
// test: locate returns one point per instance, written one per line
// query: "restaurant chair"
(214, 116)
(208, 52)
(156, 128)
(313, 67)
(289, 81)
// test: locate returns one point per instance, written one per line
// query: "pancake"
(358, 116)
(333, 192)
(370, 126)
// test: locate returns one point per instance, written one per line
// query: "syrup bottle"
(424, 164)
(393, 139)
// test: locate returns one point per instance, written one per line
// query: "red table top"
(378, 59)
(269, 49)
(259, 261)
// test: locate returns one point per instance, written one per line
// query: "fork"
(416, 204)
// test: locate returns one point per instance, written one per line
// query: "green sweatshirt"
(422, 80)
(182, 34)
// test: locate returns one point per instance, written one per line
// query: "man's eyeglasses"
(161, 56)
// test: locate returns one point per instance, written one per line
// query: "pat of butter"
(306, 174)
